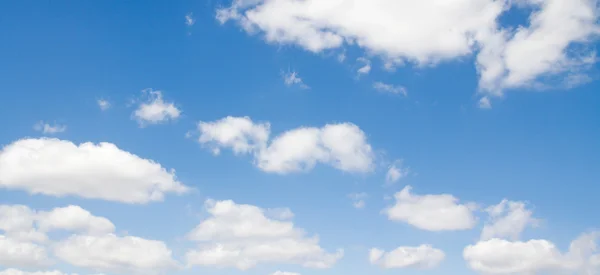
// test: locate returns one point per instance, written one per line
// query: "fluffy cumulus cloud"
(17, 253)
(92, 243)
(507, 220)
(154, 109)
(98, 171)
(431, 212)
(420, 257)
(390, 89)
(111, 253)
(429, 31)
(242, 236)
(498, 256)
(343, 146)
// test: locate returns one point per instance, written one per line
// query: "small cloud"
(341, 57)
(366, 68)
(396, 172)
(391, 89)
(189, 19)
(103, 104)
(154, 109)
(358, 200)
(292, 78)
(484, 103)
(49, 129)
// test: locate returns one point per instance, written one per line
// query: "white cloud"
(241, 236)
(366, 68)
(343, 146)
(421, 257)
(391, 89)
(429, 31)
(74, 218)
(12, 271)
(507, 220)
(103, 104)
(88, 170)
(284, 273)
(189, 19)
(358, 200)
(46, 128)
(396, 172)
(431, 212)
(154, 109)
(111, 253)
(292, 78)
(497, 256)
(484, 103)
(22, 254)
(17, 222)
(238, 133)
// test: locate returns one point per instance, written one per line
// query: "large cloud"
(422, 257)
(242, 236)
(100, 171)
(343, 146)
(428, 31)
(431, 212)
(114, 254)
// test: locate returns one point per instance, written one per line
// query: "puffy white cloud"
(343, 146)
(103, 104)
(431, 212)
(17, 253)
(17, 222)
(429, 31)
(154, 109)
(390, 89)
(396, 172)
(240, 134)
(242, 236)
(46, 128)
(74, 218)
(497, 256)
(507, 220)
(358, 200)
(421, 257)
(111, 253)
(100, 171)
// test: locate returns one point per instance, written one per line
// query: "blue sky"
(299, 128)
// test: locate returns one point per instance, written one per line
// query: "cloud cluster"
(426, 32)
(88, 170)
(343, 146)
(242, 236)
(92, 243)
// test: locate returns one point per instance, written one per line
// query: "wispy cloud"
(391, 89)
(484, 103)
(366, 68)
(103, 104)
(292, 78)
(189, 19)
(47, 128)
(358, 200)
